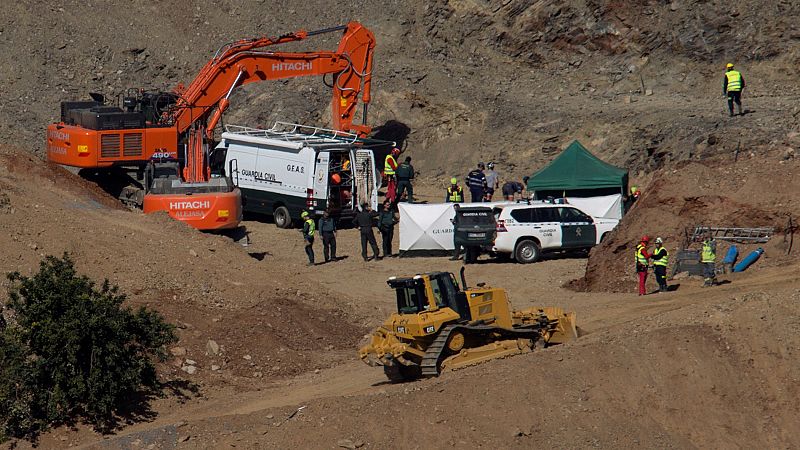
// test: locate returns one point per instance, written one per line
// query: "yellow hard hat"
(729, 66)
(304, 214)
(453, 180)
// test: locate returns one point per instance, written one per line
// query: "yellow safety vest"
(734, 81)
(708, 255)
(640, 258)
(455, 195)
(664, 258)
(387, 168)
(311, 226)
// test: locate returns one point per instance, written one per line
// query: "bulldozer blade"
(566, 329)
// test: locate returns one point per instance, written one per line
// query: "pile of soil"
(206, 284)
(753, 192)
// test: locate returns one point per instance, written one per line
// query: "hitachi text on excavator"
(166, 137)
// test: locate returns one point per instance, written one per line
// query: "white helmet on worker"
(659, 241)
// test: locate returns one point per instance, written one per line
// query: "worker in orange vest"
(641, 263)
(389, 168)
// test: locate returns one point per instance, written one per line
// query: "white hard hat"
(659, 240)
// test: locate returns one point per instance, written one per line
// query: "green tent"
(576, 172)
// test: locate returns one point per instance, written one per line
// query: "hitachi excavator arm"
(92, 135)
(247, 61)
(156, 126)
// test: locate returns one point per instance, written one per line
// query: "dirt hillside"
(511, 81)
(266, 356)
(754, 191)
(206, 284)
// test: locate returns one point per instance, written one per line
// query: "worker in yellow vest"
(309, 230)
(389, 167)
(455, 193)
(708, 258)
(641, 263)
(660, 259)
(732, 87)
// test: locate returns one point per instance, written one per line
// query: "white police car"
(525, 231)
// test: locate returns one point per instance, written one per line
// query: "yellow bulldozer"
(439, 326)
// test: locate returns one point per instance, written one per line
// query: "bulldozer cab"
(430, 292)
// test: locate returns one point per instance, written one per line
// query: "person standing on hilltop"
(641, 263)
(732, 87)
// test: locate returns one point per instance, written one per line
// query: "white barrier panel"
(427, 226)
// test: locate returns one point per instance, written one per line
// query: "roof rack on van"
(308, 135)
(293, 132)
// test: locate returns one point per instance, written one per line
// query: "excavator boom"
(247, 61)
(171, 126)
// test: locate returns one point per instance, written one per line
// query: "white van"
(290, 168)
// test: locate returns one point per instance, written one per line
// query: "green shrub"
(72, 352)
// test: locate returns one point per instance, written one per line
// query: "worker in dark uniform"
(327, 227)
(405, 174)
(732, 87)
(363, 220)
(660, 258)
(386, 221)
(476, 182)
(455, 193)
(308, 236)
(511, 188)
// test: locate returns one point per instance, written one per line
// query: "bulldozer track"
(434, 355)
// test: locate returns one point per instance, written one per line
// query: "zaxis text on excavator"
(439, 326)
(166, 137)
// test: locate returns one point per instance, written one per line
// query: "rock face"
(447, 74)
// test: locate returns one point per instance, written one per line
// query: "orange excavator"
(166, 136)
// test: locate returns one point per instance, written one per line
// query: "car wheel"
(282, 218)
(527, 251)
